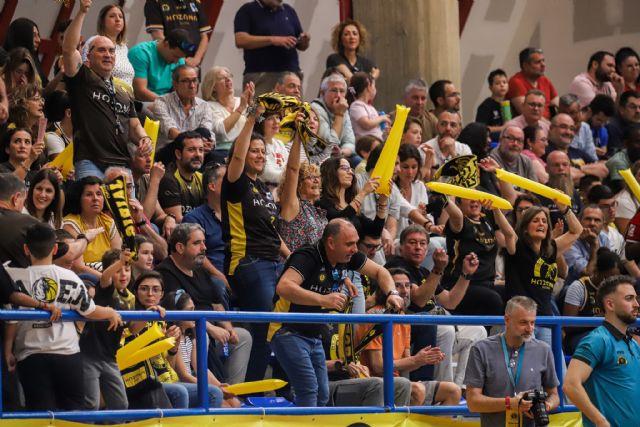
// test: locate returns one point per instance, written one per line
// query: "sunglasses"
(188, 48)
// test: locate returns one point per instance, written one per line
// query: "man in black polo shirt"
(316, 280)
(182, 269)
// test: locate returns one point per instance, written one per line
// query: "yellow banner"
(569, 419)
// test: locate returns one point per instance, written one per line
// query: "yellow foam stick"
(150, 335)
(152, 127)
(255, 387)
(147, 352)
(387, 161)
(631, 182)
(64, 160)
(468, 193)
(534, 187)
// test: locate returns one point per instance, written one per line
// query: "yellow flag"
(387, 161)
(151, 127)
(64, 160)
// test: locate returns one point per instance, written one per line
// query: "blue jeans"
(185, 395)
(85, 168)
(303, 360)
(254, 283)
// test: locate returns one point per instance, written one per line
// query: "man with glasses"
(181, 110)
(531, 76)
(599, 79)
(602, 196)
(508, 153)
(332, 109)
(444, 145)
(104, 117)
(154, 62)
(428, 297)
(561, 134)
(628, 115)
(531, 112)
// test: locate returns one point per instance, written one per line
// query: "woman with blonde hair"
(228, 110)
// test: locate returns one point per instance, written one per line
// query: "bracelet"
(82, 236)
(172, 216)
(507, 403)
(172, 352)
(437, 273)
(338, 114)
(140, 224)
(392, 292)
(466, 276)
(565, 213)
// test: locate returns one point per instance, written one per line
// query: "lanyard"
(514, 381)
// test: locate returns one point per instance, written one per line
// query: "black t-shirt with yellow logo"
(249, 217)
(530, 274)
(318, 276)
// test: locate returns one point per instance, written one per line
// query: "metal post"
(387, 363)
(558, 356)
(201, 352)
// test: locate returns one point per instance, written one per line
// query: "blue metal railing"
(202, 317)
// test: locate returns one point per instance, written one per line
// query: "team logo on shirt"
(165, 8)
(544, 274)
(622, 360)
(45, 289)
(322, 277)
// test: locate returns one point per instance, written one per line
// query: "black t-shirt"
(199, 286)
(249, 218)
(478, 237)
(96, 136)
(310, 261)
(174, 190)
(532, 275)
(417, 275)
(362, 63)
(13, 229)
(490, 113)
(167, 15)
(7, 286)
(554, 212)
(96, 339)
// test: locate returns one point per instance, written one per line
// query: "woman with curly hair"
(348, 39)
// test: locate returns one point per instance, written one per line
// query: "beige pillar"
(410, 39)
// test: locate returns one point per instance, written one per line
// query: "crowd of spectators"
(230, 214)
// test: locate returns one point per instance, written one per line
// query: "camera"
(538, 409)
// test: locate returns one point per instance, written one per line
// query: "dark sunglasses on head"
(188, 48)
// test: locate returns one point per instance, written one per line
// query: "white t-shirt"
(627, 205)
(460, 150)
(54, 285)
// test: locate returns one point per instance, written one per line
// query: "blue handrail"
(201, 317)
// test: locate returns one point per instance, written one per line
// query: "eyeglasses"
(346, 168)
(513, 139)
(372, 246)
(312, 177)
(565, 127)
(188, 81)
(522, 209)
(337, 90)
(150, 289)
(535, 104)
(37, 98)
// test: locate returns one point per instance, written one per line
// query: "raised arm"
(289, 203)
(236, 163)
(566, 240)
(70, 53)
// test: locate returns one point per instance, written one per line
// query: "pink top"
(531, 155)
(359, 109)
(586, 89)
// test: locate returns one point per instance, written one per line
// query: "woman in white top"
(365, 119)
(112, 24)
(276, 152)
(228, 110)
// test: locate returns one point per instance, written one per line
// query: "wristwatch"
(392, 292)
